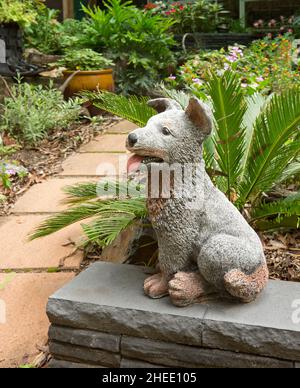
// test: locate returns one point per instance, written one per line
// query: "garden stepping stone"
(19, 253)
(25, 297)
(94, 164)
(46, 197)
(102, 143)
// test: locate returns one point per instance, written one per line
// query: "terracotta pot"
(89, 80)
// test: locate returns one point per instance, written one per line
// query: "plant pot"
(89, 80)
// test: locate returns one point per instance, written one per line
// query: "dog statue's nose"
(132, 139)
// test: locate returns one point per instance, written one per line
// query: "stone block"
(84, 355)
(182, 356)
(87, 338)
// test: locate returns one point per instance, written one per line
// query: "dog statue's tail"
(246, 287)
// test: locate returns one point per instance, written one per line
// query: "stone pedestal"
(103, 319)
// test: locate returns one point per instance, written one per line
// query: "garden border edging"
(103, 319)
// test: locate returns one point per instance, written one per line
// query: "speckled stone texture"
(103, 319)
(211, 236)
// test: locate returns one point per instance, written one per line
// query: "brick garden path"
(31, 271)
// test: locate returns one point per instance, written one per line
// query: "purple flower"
(197, 81)
(172, 77)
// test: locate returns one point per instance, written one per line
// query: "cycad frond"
(229, 107)
(132, 108)
(104, 230)
(280, 214)
(255, 105)
(90, 209)
(178, 95)
(274, 145)
(82, 192)
(292, 169)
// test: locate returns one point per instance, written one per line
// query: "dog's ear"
(163, 104)
(200, 115)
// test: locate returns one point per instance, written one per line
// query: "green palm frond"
(133, 108)
(123, 207)
(292, 170)
(229, 107)
(105, 230)
(274, 144)
(82, 192)
(255, 105)
(280, 214)
(178, 95)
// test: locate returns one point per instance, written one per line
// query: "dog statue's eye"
(165, 131)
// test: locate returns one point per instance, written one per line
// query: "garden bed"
(46, 159)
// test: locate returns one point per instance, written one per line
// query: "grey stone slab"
(265, 326)
(84, 355)
(61, 364)
(252, 339)
(129, 363)
(87, 338)
(109, 298)
(297, 365)
(175, 355)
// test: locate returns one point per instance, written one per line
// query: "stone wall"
(102, 319)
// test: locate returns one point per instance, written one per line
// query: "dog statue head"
(173, 135)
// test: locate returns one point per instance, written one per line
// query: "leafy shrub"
(137, 41)
(32, 111)
(266, 66)
(84, 59)
(49, 36)
(23, 12)
(196, 16)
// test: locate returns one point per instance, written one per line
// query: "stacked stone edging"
(103, 319)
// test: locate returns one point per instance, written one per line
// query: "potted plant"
(86, 70)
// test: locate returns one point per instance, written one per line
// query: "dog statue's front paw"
(187, 288)
(156, 286)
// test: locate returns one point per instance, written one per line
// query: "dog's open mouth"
(135, 161)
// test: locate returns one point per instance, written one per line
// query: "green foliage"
(193, 16)
(9, 171)
(134, 109)
(49, 36)
(84, 59)
(137, 41)
(33, 111)
(22, 12)
(108, 217)
(266, 66)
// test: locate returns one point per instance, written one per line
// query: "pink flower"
(172, 77)
(259, 79)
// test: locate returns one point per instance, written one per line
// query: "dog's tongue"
(134, 163)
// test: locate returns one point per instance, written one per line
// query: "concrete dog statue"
(210, 251)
